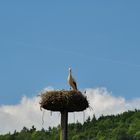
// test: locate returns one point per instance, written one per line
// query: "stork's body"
(71, 80)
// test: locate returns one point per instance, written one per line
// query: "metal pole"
(64, 125)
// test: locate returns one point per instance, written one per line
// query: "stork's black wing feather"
(75, 84)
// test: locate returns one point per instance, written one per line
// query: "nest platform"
(63, 100)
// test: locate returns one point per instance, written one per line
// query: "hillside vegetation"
(125, 126)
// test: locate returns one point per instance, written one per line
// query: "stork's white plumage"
(71, 80)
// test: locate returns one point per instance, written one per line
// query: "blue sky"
(40, 40)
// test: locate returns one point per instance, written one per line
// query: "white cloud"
(103, 102)
(27, 112)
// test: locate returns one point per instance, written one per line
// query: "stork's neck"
(70, 72)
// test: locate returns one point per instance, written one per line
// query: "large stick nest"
(63, 100)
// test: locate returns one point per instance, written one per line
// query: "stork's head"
(70, 69)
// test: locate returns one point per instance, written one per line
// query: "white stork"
(71, 80)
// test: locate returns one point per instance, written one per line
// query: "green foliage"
(125, 126)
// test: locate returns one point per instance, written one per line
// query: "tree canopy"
(125, 126)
